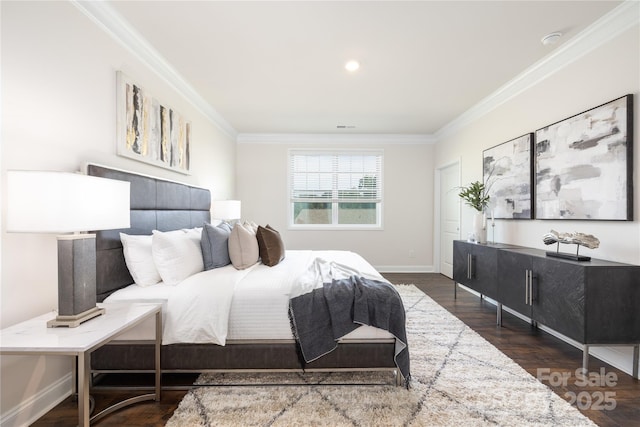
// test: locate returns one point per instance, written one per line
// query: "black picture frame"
(507, 174)
(584, 165)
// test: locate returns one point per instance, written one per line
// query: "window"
(335, 189)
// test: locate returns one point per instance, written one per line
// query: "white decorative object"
(479, 227)
(588, 240)
(493, 228)
(578, 239)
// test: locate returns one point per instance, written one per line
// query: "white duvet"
(211, 306)
(198, 311)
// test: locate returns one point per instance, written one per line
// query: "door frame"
(438, 208)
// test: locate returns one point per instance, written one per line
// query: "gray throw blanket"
(323, 316)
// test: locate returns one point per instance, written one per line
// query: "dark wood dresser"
(594, 302)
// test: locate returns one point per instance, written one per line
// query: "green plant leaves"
(475, 195)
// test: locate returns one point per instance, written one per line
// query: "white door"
(449, 216)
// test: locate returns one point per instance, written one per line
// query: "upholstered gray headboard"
(156, 204)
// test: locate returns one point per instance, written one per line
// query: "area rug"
(458, 379)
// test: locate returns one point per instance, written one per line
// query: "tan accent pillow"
(243, 247)
(270, 245)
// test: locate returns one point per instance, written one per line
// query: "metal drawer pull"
(526, 287)
(530, 287)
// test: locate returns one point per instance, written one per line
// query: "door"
(449, 216)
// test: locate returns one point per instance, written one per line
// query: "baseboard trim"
(612, 355)
(34, 407)
(405, 268)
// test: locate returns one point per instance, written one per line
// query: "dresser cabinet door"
(613, 305)
(513, 282)
(559, 296)
(461, 263)
(475, 266)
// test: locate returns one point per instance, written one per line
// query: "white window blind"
(336, 188)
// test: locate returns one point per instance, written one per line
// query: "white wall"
(58, 111)
(404, 244)
(606, 73)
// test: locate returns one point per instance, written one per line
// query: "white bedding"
(249, 304)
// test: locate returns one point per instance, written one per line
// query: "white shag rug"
(458, 379)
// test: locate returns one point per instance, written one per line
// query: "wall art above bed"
(506, 170)
(584, 165)
(149, 131)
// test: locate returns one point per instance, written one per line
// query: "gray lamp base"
(75, 320)
(76, 280)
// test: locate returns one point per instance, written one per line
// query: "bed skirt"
(247, 356)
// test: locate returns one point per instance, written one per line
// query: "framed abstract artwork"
(584, 165)
(506, 170)
(149, 131)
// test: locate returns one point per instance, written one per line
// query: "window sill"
(310, 227)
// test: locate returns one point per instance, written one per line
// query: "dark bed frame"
(158, 204)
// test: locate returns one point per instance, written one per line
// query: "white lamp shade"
(225, 209)
(62, 202)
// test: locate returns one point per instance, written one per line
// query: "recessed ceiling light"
(550, 39)
(352, 65)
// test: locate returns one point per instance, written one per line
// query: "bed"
(258, 335)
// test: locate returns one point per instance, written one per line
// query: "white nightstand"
(33, 337)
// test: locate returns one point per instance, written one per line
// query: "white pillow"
(177, 254)
(139, 259)
(243, 246)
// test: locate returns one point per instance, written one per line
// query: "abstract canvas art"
(150, 131)
(584, 165)
(506, 170)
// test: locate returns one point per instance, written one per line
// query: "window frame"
(334, 204)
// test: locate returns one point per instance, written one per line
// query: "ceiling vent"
(550, 39)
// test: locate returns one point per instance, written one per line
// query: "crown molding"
(335, 138)
(605, 29)
(110, 21)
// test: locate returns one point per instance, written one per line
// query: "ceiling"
(278, 67)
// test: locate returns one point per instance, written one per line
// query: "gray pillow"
(215, 245)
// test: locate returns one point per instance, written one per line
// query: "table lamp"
(226, 210)
(62, 202)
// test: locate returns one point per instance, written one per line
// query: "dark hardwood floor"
(530, 348)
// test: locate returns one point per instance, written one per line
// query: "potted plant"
(475, 195)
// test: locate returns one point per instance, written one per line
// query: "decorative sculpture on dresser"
(578, 239)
